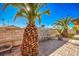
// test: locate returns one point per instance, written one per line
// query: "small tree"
(60, 31)
(63, 24)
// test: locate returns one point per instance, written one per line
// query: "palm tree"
(59, 30)
(63, 24)
(31, 11)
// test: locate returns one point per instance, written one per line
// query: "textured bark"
(30, 41)
(60, 37)
(65, 33)
(77, 31)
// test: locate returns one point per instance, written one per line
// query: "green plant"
(31, 11)
(62, 26)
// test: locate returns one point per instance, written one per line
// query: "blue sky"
(57, 11)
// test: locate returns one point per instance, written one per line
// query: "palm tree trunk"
(60, 37)
(29, 45)
(77, 31)
(65, 33)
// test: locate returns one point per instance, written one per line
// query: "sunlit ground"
(48, 45)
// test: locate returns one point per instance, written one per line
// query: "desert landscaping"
(14, 36)
(48, 43)
(39, 30)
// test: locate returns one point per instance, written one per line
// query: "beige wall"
(71, 31)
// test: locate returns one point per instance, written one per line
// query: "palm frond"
(46, 12)
(5, 5)
(41, 5)
(39, 18)
(20, 14)
(30, 14)
(63, 23)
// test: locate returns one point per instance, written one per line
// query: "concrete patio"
(71, 48)
(51, 48)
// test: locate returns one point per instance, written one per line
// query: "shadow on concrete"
(49, 46)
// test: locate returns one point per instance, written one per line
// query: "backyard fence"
(17, 34)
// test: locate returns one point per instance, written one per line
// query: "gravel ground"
(45, 48)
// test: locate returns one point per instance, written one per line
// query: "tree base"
(29, 45)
